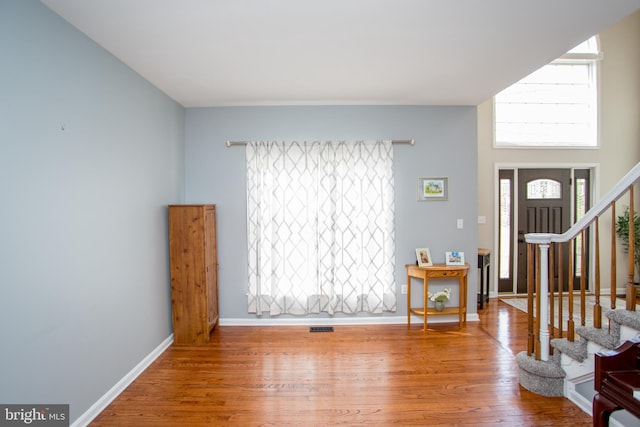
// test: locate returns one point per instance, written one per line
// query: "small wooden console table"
(437, 271)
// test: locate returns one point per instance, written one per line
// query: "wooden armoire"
(194, 272)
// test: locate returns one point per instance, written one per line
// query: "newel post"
(543, 241)
(544, 302)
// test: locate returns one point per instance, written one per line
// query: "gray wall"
(445, 146)
(85, 290)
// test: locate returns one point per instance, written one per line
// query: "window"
(320, 227)
(555, 106)
(544, 189)
(581, 203)
(506, 227)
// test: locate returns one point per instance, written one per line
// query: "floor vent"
(321, 329)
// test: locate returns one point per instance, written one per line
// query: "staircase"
(559, 360)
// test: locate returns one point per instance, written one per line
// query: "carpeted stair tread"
(624, 317)
(544, 378)
(599, 336)
(547, 369)
(577, 350)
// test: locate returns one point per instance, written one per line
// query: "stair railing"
(542, 251)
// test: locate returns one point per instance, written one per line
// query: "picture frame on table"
(454, 258)
(433, 188)
(423, 256)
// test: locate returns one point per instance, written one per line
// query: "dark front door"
(544, 206)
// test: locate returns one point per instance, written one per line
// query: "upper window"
(556, 106)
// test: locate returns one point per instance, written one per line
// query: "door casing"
(594, 189)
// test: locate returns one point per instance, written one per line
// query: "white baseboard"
(344, 321)
(109, 396)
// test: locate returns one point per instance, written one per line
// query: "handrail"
(590, 216)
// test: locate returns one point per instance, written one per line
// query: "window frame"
(574, 56)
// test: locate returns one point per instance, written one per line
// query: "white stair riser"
(575, 369)
(627, 333)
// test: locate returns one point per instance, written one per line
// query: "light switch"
(460, 223)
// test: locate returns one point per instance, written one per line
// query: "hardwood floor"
(375, 375)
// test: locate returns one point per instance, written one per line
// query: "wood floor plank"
(357, 375)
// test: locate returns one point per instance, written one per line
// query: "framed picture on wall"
(454, 258)
(424, 257)
(432, 189)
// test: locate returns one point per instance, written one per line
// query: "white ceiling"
(337, 52)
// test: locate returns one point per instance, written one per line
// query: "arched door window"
(544, 189)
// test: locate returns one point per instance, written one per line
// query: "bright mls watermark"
(34, 415)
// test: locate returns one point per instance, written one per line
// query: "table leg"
(466, 292)
(424, 305)
(482, 285)
(462, 301)
(488, 267)
(408, 302)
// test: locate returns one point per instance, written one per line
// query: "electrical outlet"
(404, 289)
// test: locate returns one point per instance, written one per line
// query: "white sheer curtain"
(320, 222)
